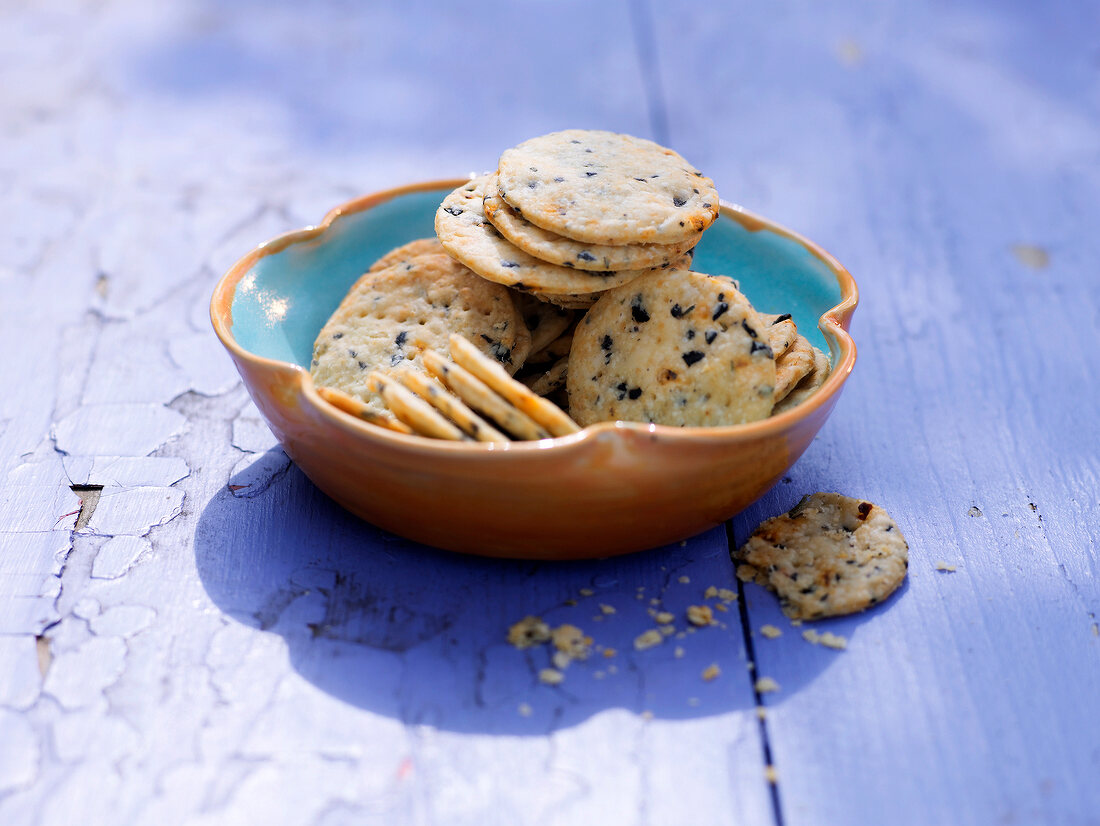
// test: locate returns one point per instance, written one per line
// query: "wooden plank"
(969, 697)
(214, 655)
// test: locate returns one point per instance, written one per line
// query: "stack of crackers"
(570, 268)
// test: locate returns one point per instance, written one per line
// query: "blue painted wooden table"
(191, 633)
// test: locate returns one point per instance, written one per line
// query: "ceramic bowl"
(614, 487)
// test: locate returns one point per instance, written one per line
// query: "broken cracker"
(829, 555)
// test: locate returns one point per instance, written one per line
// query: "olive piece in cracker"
(829, 555)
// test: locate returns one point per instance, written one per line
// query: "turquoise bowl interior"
(282, 302)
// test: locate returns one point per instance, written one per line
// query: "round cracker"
(565, 252)
(793, 366)
(545, 413)
(477, 395)
(808, 386)
(406, 252)
(412, 410)
(449, 405)
(583, 302)
(390, 316)
(466, 235)
(607, 188)
(682, 348)
(360, 409)
(549, 381)
(829, 555)
(781, 332)
(545, 321)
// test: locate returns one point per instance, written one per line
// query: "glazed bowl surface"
(613, 488)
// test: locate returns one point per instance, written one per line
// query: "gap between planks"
(761, 720)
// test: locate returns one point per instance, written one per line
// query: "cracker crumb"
(710, 593)
(664, 617)
(765, 685)
(571, 641)
(711, 672)
(586, 592)
(609, 652)
(761, 712)
(667, 630)
(684, 580)
(721, 606)
(945, 566)
(612, 669)
(528, 632)
(524, 710)
(678, 653)
(770, 631)
(654, 601)
(599, 675)
(570, 602)
(639, 595)
(647, 715)
(828, 639)
(648, 639)
(607, 609)
(770, 774)
(796, 622)
(726, 595)
(551, 676)
(700, 615)
(561, 660)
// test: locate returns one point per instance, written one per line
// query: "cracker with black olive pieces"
(584, 302)
(466, 235)
(407, 252)
(809, 385)
(566, 252)
(389, 316)
(679, 348)
(607, 188)
(545, 321)
(549, 381)
(452, 407)
(829, 555)
(411, 409)
(781, 331)
(545, 413)
(793, 366)
(477, 395)
(360, 409)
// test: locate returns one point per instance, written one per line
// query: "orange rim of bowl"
(832, 323)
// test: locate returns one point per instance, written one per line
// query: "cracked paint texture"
(220, 643)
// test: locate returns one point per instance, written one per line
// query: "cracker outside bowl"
(613, 488)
